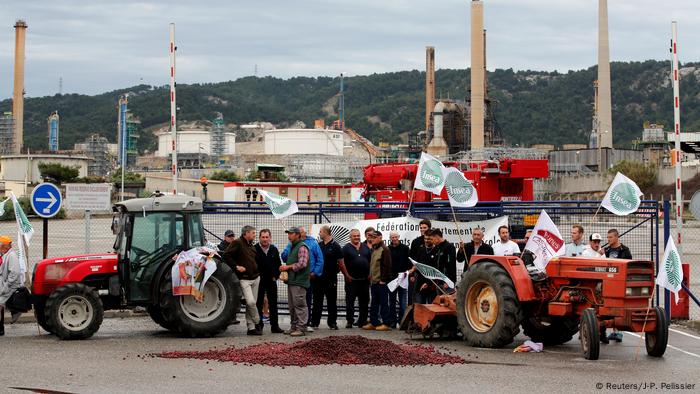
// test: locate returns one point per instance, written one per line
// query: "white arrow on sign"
(51, 200)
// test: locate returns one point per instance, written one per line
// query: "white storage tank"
(304, 142)
(190, 142)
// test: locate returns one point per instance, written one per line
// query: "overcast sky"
(99, 45)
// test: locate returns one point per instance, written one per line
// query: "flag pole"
(644, 326)
(459, 234)
(410, 199)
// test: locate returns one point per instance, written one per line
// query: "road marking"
(670, 346)
(684, 333)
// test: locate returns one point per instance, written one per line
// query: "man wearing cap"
(297, 268)
(229, 237)
(240, 255)
(11, 278)
(379, 276)
(593, 248)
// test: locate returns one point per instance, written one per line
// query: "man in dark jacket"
(327, 285)
(355, 268)
(615, 249)
(399, 264)
(268, 260)
(475, 246)
(240, 255)
(416, 252)
(446, 256)
(379, 276)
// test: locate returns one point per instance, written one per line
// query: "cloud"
(104, 45)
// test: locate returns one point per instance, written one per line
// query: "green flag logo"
(431, 173)
(672, 265)
(624, 198)
(275, 206)
(24, 224)
(458, 188)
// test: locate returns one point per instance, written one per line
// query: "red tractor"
(71, 293)
(499, 294)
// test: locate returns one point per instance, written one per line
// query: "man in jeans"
(356, 256)
(379, 276)
(327, 284)
(241, 256)
(399, 265)
(297, 267)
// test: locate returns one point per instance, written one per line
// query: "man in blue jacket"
(316, 265)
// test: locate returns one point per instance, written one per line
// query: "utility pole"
(677, 133)
(173, 108)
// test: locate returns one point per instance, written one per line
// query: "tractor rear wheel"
(488, 311)
(222, 294)
(74, 311)
(40, 314)
(657, 340)
(554, 331)
(590, 334)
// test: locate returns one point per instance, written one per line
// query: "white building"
(190, 141)
(19, 168)
(304, 142)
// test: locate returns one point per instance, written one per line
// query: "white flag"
(430, 176)
(25, 231)
(545, 242)
(670, 273)
(2, 206)
(432, 273)
(623, 196)
(460, 191)
(281, 207)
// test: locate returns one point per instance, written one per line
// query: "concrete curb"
(29, 316)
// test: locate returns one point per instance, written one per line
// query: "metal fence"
(639, 231)
(689, 251)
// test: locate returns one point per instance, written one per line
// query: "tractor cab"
(149, 232)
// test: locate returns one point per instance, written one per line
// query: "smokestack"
(18, 96)
(477, 75)
(429, 87)
(437, 146)
(604, 93)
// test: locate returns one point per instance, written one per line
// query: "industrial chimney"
(604, 94)
(18, 96)
(477, 75)
(429, 87)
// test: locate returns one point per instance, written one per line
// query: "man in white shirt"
(593, 248)
(504, 246)
(575, 248)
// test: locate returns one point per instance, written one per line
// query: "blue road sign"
(46, 200)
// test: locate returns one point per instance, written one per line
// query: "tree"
(129, 177)
(58, 173)
(642, 174)
(224, 175)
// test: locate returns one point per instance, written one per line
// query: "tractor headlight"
(628, 291)
(645, 291)
(54, 272)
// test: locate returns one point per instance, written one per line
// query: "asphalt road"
(112, 362)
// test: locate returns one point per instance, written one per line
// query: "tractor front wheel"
(657, 340)
(488, 311)
(74, 311)
(190, 318)
(590, 334)
(40, 314)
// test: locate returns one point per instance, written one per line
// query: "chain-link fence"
(641, 231)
